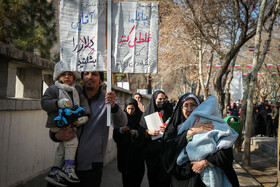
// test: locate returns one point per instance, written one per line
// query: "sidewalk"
(266, 144)
(263, 158)
(112, 178)
(263, 161)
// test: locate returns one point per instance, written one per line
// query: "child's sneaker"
(55, 179)
(68, 173)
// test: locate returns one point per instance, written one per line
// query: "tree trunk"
(278, 145)
(220, 96)
(149, 83)
(128, 80)
(227, 86)
(198, 88)
(249, 112)
(200, 56)
(248, 122)
(257, 63)
(239, 140)
(113, 79)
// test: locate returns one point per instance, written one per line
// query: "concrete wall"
(26, 149)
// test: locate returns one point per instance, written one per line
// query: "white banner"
(134, 37)
(82, 35)
(236, 86)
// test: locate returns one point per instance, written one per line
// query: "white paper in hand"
(154, 122)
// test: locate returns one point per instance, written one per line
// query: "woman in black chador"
(256, 120)
(156, 174)
(129, 140)
(188, 174)
(267, 119)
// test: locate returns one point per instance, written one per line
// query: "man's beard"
(89, 88)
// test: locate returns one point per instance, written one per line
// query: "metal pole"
(109, 69)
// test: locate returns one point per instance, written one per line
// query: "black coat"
(166, 112)
(130, 147)
(183, 176)
(256, 120)
(265, 114)
(156, 174)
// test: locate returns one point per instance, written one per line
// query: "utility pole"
(278, 150)
(149, 81)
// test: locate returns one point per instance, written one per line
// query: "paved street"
(112, 178)
(263, 168)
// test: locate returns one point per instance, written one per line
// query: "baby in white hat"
(64, 94)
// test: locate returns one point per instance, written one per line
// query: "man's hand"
(66, 134)
(110, 98)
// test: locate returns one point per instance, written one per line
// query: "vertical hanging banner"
(134, 37)
(82, 35)
(236, 86)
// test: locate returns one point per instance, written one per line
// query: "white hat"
(60, 68)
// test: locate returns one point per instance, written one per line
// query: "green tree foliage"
(28, 25)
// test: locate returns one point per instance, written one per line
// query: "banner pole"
(109, 63)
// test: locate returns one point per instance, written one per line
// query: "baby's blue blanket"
(207, 143)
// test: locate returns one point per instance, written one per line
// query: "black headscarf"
(134, 119)
(166, 111)
(173, 144)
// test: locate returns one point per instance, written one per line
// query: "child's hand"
(63, 103)
(81, 121)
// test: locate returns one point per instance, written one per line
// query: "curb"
(266, 144)
(245, 179)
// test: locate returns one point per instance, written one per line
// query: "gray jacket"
(49, 103)
(93, 136)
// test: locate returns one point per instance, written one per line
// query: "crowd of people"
(191, 147)
(234, 109)
(266, 119)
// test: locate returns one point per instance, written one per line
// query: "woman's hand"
(200, 127)
(132, 132)
(153, 132)
(199, 166)
(162, 128)
(125, 128)
(65, 134)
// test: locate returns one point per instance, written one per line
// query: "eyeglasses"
(191, 105)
